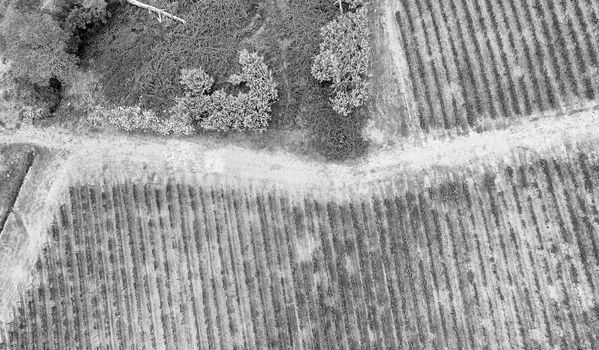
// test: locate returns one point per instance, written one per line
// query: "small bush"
(249, 109)
(344, 58)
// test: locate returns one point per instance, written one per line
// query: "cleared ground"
(504, 257)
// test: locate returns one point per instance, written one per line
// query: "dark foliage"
(82, 21)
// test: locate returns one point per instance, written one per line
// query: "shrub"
(36, 46)
(131, 119)
(344, 58)
(249, 109)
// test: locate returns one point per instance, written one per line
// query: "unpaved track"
(136, 156)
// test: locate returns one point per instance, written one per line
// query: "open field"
(505, 256)
(476, 64)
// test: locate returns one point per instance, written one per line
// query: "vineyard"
(503, 256)
(473, 63)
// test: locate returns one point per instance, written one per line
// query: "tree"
(344, 58)
(36, 46)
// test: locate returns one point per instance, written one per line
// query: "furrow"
(449, 293)
(500, 71)
(487, 193)
(71, 273)
(237, 259)
(129, 271)
(240, 207)
(189, 336)
(488, 64)
(333, 304)
(109, 245)
(105, 273)
(467, 303)
(473, 230)
(147, 252)
(195, 270)
(223, 233)
(415, 65)
(385, 224)
(286, 269)
(91, 287)
(373, 227)
(223, 317)
(299, 251)
(553, 60)
(206, 274)
(263, 269)
(171, 253)
(345, 268)
(160, 265)
(321, 278)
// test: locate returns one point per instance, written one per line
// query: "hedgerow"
(344, 58)
(248, 109)
(131, 119)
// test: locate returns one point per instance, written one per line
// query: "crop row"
(509, 259)
(477, 60)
